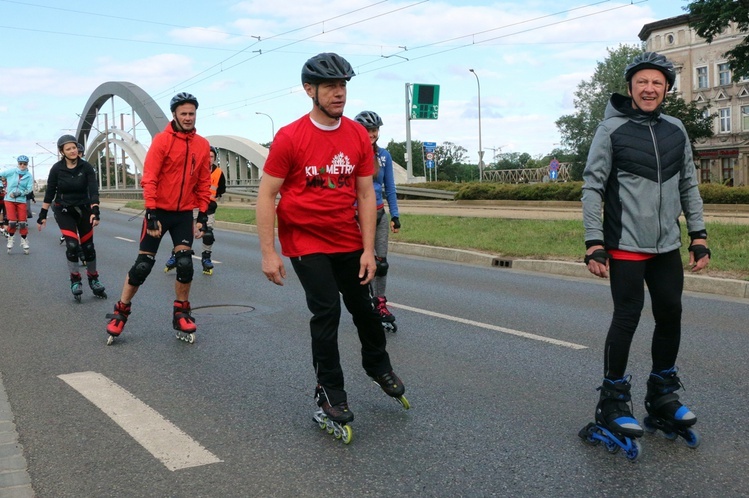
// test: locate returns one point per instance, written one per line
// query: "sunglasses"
(23, 164)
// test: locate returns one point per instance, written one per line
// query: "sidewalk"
(518, 210)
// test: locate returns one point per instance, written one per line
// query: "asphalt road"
(493, 413)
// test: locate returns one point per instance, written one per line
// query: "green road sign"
(425, 101)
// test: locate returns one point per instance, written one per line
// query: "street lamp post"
(272, 125)
(481, 149)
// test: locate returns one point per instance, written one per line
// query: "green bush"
(713, 193)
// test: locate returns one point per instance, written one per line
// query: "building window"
(702, 77)
(745, 117)
(724, 116)
(704, 170)
(670, 39)
(726, 168)
(724, 74)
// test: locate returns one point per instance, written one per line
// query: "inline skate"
(171, 264)
(9, 245)
(334, 419)
(393, 387)
(76, 287)
(205, 260)
(615, 426)
(96, 286)
(183, 322)
(387, 318)
(25, 245)
(117, 321)
(665, 412)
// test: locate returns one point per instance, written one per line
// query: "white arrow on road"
(165, 441)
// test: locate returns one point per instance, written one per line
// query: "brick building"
(703, 76)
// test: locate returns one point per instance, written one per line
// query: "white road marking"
(214, 261)
(165, 441)
(489, 326)
(126, 240)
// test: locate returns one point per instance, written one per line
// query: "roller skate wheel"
(586, 434)
(208, 272)
(648, 426)
(330, 427)
(693, 438)
(670, 435)
(77, 298)
(347, 435)
(612, 447)
(110, 340)
(634, 453)
(404, 402)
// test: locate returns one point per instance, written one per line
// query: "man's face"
(184, 114)
(648, 89)
(331, 95)
(70, 150)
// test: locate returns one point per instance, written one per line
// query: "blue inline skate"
(665, 412)
(615, 426)
(205, 260)
(171, 263)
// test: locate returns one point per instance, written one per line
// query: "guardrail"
(424, 193)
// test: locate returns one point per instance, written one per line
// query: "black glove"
(396, 222)
(700, 251)
(212, 207)
(42, 216)
(95, 212)
(151, 222)
(203, 220)
(599, 255)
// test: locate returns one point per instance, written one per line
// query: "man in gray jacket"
(641, 174)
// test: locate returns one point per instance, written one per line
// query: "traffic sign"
(425, 101)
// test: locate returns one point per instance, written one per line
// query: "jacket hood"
(621, 106)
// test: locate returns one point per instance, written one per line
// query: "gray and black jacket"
(640, 168)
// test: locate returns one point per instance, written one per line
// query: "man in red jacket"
(176, 180)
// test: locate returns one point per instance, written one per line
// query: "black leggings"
(323, 277)
(664, 275)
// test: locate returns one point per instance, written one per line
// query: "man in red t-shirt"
(322, 165)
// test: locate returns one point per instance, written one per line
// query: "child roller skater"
(641, 174)
(19, 185)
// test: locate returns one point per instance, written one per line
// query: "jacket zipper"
(660, 183)
(184, 174)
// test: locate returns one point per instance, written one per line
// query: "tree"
(398, 152)
(710, 17)
(592, 96)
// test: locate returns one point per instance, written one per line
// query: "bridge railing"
(532, 175)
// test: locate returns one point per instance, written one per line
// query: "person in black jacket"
(73, 188)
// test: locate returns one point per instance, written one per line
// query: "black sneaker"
(391, 384)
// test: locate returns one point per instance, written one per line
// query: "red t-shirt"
(317, 213)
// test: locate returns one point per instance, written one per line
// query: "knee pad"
(89, 253)
(12, 225)
(185, 270)
(22, 225)
(208, 238)
(140, 270)
(71, 249)
(382, 267)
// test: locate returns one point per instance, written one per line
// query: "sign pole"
(409, 161)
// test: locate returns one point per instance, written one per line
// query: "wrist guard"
(42, 216)
(152, 223)
(396, 222)
(599, 256)
(203, 220)
(700, 251)
(95, 212)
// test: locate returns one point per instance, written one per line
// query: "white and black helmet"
(182, 98)
(326, 66)
(368, 119)
(651, 60)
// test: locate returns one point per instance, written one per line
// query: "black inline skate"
(335, 418)
(393, 387)
(205, 260)
(665, 412)
(386, 317)
(615, 426)
(96, 286)
(76, 287)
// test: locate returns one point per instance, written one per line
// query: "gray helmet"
(651, 60)
(326, 66)
(182, 98)
(214, 150)
(81, 149)
(368, 119)
(66, 139)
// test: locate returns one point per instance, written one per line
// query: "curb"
(693, 283)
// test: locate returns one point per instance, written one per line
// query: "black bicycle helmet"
(66, 139)
(182, 98)
(368, 119)
(81, 149)
(651, 60)
(214, 150)
(326, 66)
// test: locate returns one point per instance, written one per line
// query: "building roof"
(646, 30)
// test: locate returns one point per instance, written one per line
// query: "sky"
(240, 58)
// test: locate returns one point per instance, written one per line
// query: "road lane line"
(165, 441)
(489, 326)
(126, 240)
